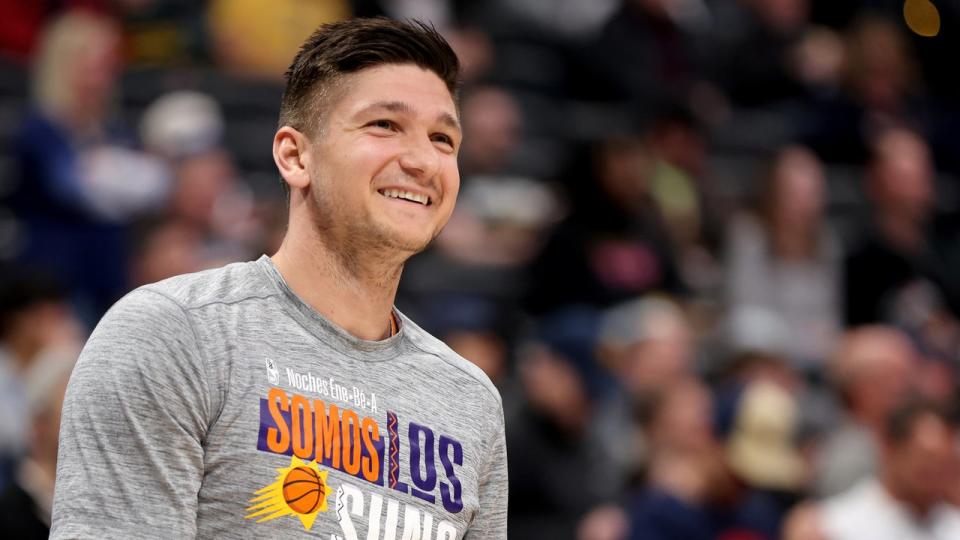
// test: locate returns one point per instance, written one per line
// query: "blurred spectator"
(757, 42)
(182, 124)
(763, 453)
(895, 265)
(254, 38)
(691, 207)
(646, 345)
(762, 448)
(906, 500)
(492, 128)
(613, 246)
(647, 50)
(210, 219)
(36, 324)
(165, 248)
(80, 180)
(552, 463)
(785, 258)
(26, 504)
(872, 371)
(685, 469)
(754, 350)
(74, 84)
(770, 56)
(818, 61)
(882, 69)
(692, 491)
(881, 87)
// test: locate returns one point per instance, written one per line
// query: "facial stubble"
(363, 245)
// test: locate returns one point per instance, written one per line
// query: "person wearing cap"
(209, 220)
(646, 345)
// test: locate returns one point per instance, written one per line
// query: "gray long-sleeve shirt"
(219, 405)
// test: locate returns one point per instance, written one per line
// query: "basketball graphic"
(299, 490)
(303, 490)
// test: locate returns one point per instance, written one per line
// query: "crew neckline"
(329, 332)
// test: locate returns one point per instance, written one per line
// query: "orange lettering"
(350, 431)
(302, 427)
(278, 438)
(371, 463)
(327, 433)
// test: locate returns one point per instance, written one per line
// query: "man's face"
(903, 174)
(920, 466)
(385, 173)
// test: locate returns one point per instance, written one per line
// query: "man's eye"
(441, 138)
(383, 124)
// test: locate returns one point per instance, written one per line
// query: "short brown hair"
(901, 422)
(352, 45)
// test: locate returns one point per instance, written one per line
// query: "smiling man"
(286, 397)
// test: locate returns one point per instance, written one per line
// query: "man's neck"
(890, 485)
(356, 297)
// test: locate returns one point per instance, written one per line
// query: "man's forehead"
(422, 90)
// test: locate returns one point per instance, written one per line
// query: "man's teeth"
(407, 195)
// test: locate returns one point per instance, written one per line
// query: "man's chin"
(407, 243)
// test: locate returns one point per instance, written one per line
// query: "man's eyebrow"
(401, 107)
(449, 120)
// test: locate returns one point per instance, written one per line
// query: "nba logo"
(273, 375)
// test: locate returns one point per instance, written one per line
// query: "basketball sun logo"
(299, 490)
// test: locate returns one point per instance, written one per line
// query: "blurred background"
(708, 250)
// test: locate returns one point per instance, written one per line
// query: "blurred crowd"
(708, 250)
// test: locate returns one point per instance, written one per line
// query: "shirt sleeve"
(491, 520)
(135, 415)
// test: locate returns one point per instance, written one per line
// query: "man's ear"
(291, 153)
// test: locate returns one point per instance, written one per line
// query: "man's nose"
(420, 159)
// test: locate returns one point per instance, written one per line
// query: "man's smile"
(405, 195)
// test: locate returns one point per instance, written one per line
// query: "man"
(898, 266)
(906, 500)
(285, 397)
(909, 497)
(873, 371)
